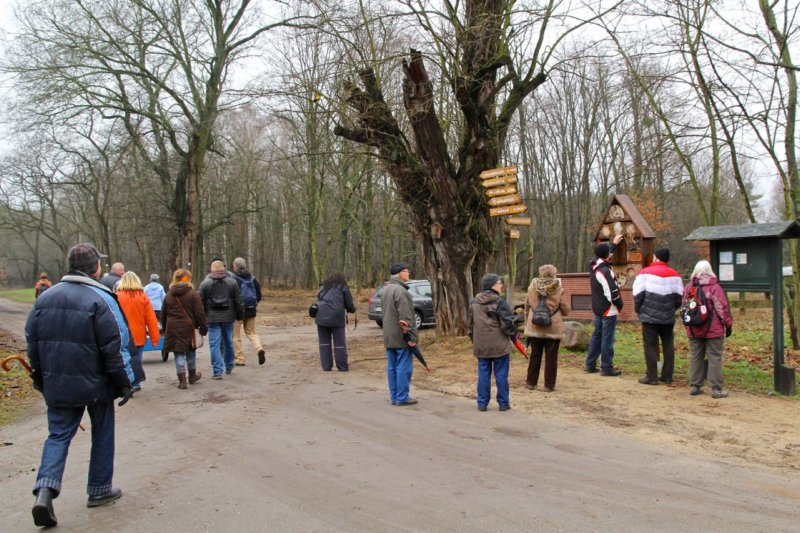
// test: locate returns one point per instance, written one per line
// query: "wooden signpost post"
(504, 199)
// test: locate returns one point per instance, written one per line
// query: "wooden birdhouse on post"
(635, 251)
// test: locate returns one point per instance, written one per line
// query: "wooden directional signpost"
(504, 199)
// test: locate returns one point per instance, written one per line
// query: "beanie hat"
(83, 257)
(662, 254)
(397, 268)
(601, 251)
(154, 277)
(488, 281)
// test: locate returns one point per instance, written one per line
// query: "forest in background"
(130, 118)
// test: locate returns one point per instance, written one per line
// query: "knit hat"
(154, 277)
(83, 256)
(397, 268)
(602, 251)
(662, 254)
(488, 281)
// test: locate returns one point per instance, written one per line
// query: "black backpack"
(541, 314)
(694, 309)
(219, 296)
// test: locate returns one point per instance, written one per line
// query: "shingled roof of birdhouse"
(624, 201)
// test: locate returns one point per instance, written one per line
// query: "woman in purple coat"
(708, 340)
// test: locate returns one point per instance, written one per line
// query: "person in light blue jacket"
(155, 291)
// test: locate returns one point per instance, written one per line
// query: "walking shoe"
(646, 381)
(228, 370)
(719, 393)
(410, 401)
(531, 387)
(136, 388)
(239, 364)
(261, 357)
(110, 496)
(216, 376)
(590, 369)
(695, 390)
(613, 372)
(547, 389)
(665, 381)
(43, 513)
(505, 407)
(481, 408)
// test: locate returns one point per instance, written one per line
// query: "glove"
(619, 304)
(127, 394)
(38, 382)
(728, 331)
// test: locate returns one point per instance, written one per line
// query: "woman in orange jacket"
(141, 319)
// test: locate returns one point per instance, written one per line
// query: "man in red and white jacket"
(606, 305)
(657, 294)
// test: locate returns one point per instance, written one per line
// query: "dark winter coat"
(491, 325)
(657, 294)
(76, 333)
(397, 305)
(235, 310)
(245, 275)
(720, 314)
(178, 327)
(333, 302)
(606, 299)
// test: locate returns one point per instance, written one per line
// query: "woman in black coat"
(334, 299)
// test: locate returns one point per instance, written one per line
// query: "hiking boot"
(665, 381)
(612, 372)
(719, 393)
(695, 390)
(590, 369)
(43, 513)
(102, 499)
(547, 389)
(647, 381)
(261, 357)
(531, 387)
(194, 376)
(481, 408)
(505, 407)
(182, 380)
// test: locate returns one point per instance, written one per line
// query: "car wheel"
(417, 319)
(380, 323)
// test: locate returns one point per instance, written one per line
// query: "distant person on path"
(250, 289)
(222, 302)
(657, 295)
(42, 285)
(606, 305)
(155, 291)
(335, 300)
(708, 340)
(545, 338)
(181, 315)
(111, 278)
(397, 305)
(491, 329)
(142, 321)
(77, 347)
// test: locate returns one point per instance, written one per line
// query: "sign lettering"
(503, 171)
(507, 210)
(494, 182)
(501, 191)
(505, 200)
(519, 221)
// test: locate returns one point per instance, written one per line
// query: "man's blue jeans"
(602, 343)
(218, 333)
(399, 367)
(500, 366)
(63, 423)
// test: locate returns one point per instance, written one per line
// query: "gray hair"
(239, 264)
(703, 267)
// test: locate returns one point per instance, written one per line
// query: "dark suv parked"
(420, 290)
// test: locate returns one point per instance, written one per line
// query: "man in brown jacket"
(491, 328)
(397, 305)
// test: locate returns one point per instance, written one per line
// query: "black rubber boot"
(43, 513)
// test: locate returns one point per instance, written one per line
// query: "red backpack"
(694, 309)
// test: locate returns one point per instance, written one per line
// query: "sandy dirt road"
(286, 447)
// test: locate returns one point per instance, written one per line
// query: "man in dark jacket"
(606, 305)
(77, 345)
(250, 289)
(397, 305)
(492, 329)
(657, 294)
(111, 279)
(222, 302)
